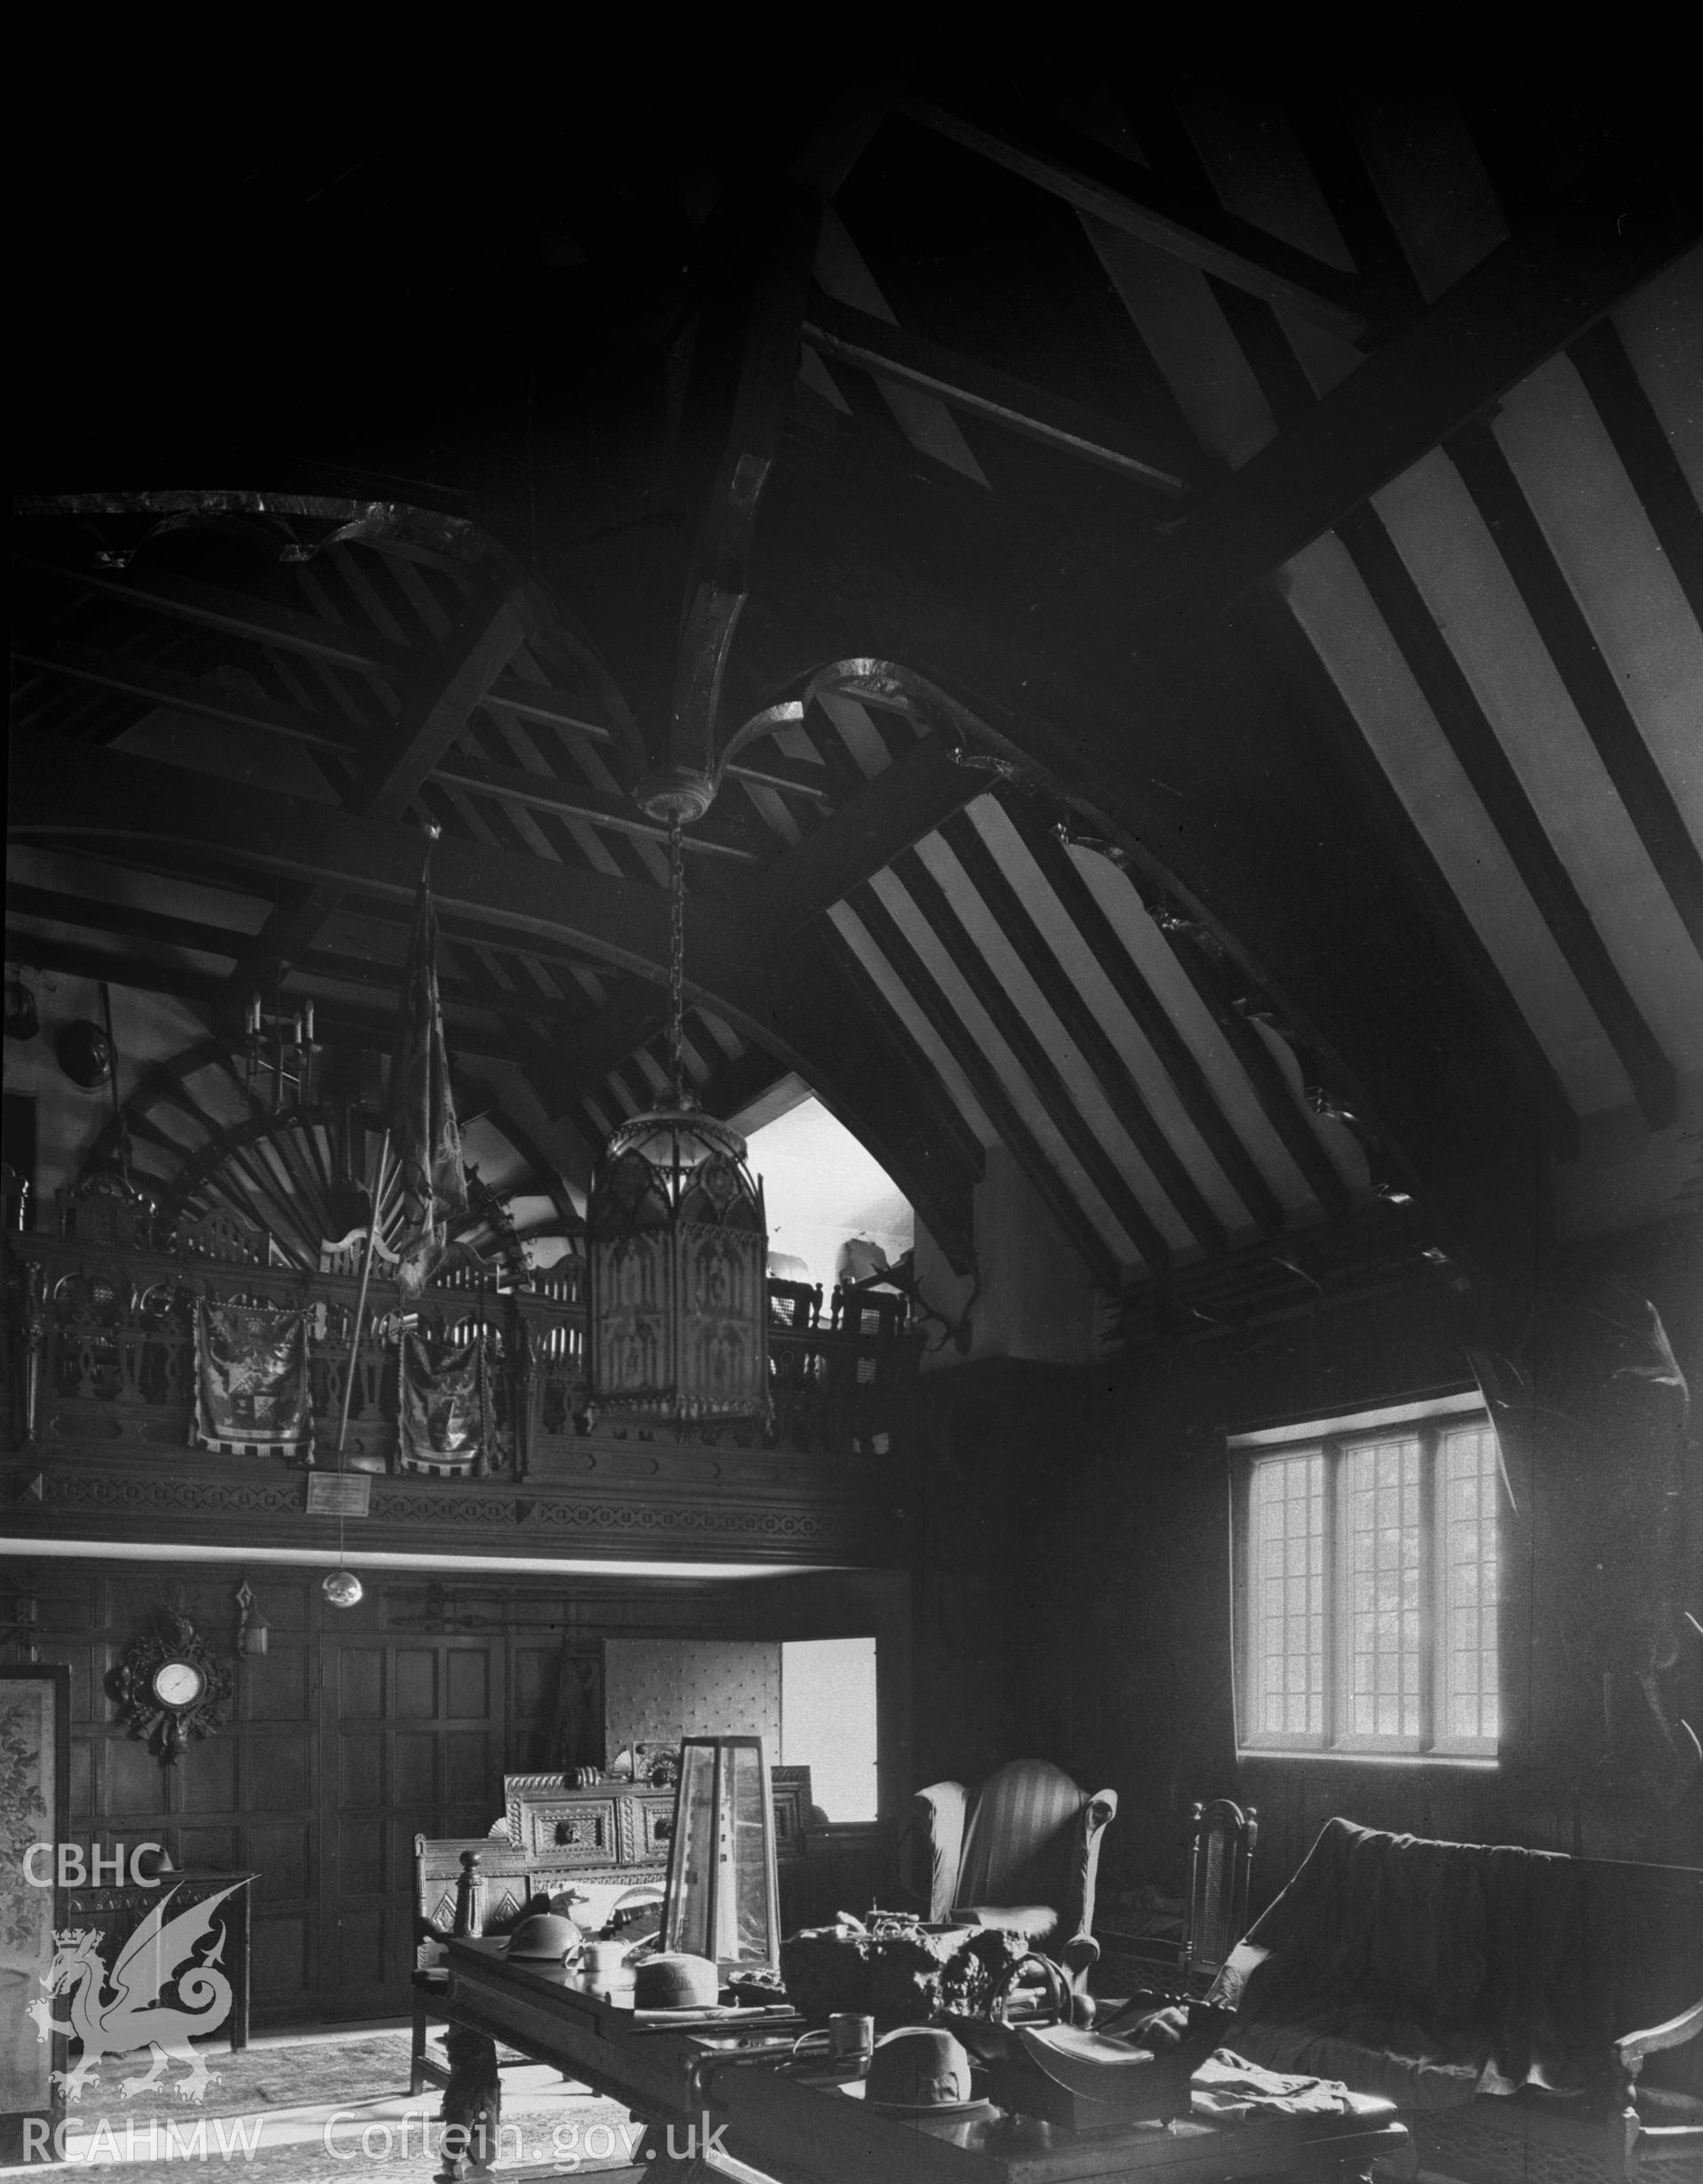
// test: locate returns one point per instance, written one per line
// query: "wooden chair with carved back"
(1181, 1967)
(461, 1886)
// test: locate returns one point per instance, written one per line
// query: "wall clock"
(170, 1687)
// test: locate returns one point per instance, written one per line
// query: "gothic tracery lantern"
(677, 1252)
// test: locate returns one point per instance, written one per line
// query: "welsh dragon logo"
(117, 2013)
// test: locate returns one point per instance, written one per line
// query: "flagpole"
(432, 833)
(360, 1300)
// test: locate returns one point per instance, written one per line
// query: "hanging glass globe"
(342, 1588)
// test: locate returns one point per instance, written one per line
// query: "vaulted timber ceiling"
(1229, 561)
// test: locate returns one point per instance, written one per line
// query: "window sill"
(1483, 1763)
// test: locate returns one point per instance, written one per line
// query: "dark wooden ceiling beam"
(1456, 709)
(449, 683)
(1052, 421)
(241, 615)
(1215, 983)
(446, 685)
(913, 796)
(936, 1113)
(788, 776)
(1188, 1080)
(460, 989)
(1101, 938)
(254, 888)
(1049, 1185)
(77, 959)
(1171, 734)
(778, 988)
(1599, 356)
(542, 792)
(1272, 358)
(155, 682)
(334, 1014)
(621, 922)
(1590, 682)
(718, 578)
(905, 802)
(1182, 222)
(94, 914)
(1591, 246)
(1395, 834)
(1053, 1089)
(731, 1085)
(1351, 197)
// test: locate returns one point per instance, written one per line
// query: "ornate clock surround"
(170, 1687)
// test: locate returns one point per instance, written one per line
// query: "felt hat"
(675, 1981)
(918, 2066)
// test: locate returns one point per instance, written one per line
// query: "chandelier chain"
(676, 955)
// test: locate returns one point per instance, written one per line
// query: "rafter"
(334, 1013)
(1607, 235)
(1477, 968)
(719, 579)
(1285, 387)
(994, 1100)
(623, 922)
(1457, 712)
(1183, 222)
(439, 701)
(97, 916)
(1052, 420)
(779, 988)
(254, 889)
(1188, 1080)
(1100, 935)
(1645, 449)
(907, 800)
(1033, 1056)
(259, 622)
(1590, 682)
(938, 1115)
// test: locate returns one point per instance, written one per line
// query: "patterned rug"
(357, 2068)
(310, 2110)
(582, 2138)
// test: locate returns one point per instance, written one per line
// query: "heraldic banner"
(447, 1414)
(251, 1381)
(424, 1135)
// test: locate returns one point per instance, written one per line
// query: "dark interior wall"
(357, 1729)
(1074, 1600)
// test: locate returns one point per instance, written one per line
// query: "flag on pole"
(425, 1138)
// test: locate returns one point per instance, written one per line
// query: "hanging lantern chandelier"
(677, 1246)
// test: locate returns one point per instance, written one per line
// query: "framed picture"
(35, 1807)
(790, 1789)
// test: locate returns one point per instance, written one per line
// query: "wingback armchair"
(1019, 1852)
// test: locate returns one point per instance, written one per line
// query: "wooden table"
(805, 2129)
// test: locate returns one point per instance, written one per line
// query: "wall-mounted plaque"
(340, 1493)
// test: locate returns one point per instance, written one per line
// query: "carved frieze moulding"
(265, 1496)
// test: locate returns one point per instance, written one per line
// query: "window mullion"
(1331, 1666)
(1433, 1619)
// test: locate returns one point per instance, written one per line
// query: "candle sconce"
(279, 1045)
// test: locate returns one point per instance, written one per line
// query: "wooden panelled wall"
(357, 1729)
(1074, 1595)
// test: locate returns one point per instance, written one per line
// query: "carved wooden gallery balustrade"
(101, 1349)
